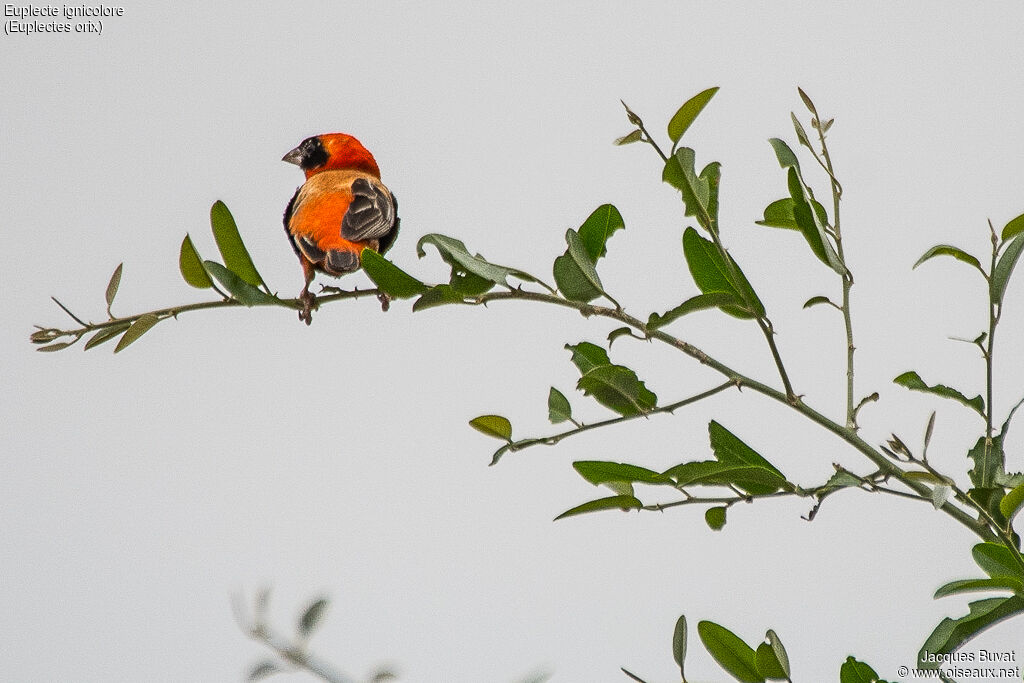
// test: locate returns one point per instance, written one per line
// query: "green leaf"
(853, 671)
(911, 380)
(621, 332)
(680, 173)
(493, 425)
(587, 356)
(138, 328)
(575, 273)
(438, 295)
(779, 214)
(633, 136)
(988, 462)
(997, 561)
(1004, 268)
(559, 409)
(598, 227)
(807, 102)
(105, 335)
(688, 113)
(115, 282)
(56, 347)
(712, 175)
(191, 266)
(599, 472)
(805, 209)
(949, 250)
(730, 450)
(780, 653)
(969, 585)
(236, 256)
(618, 388)
(768, 664)
(731, 653)
(1013, 228)
(679, 644)
(950, 634)
(239, 289)
(624, 503)
(715, 518)
(815, 300)
(711, 274)
(753, 479)
(1010, 505)
(801, 134)
(311, 618)
(701, 302)
(454, 253)
(388, 277)
(262, 670)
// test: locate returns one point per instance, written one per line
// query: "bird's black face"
(308, 155)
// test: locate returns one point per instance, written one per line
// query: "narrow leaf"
(1004, 267)
(807, 102)
(243, 292)
(191, 266)
(688, 113)
(602, 472)
(105, 335)
(229, 242)
(624, 503)
(633, 136)
(56, 347)
(389, 278)
(138, 328)
(621, 332)
(711, 274)
(679, 172)
(715, 518)
(679, 644)
(950, 634)
(115, 282)
(559, 409)
(262, 670)
(493, 425)
(801, 134)
(970, 585)
(949, 250)
(753, 479)
(632, 675)
(911, 380)
(701, 302)
(731, 653)
(311, 618)
(780, 652)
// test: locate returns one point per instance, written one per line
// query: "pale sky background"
(229, 450)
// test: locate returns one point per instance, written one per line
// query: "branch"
(580, 428)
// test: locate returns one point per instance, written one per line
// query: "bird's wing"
(371, 213)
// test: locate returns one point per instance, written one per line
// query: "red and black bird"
(342, 208)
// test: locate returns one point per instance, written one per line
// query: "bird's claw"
(308, 300)
(385, 301)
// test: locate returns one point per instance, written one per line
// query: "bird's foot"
(308, 300)
(385, 301)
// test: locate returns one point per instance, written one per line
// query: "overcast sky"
(230, 450)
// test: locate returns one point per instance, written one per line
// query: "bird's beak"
(294, 156)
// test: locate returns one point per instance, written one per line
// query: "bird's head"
(330, 152)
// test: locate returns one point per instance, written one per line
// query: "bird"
(342, 208)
